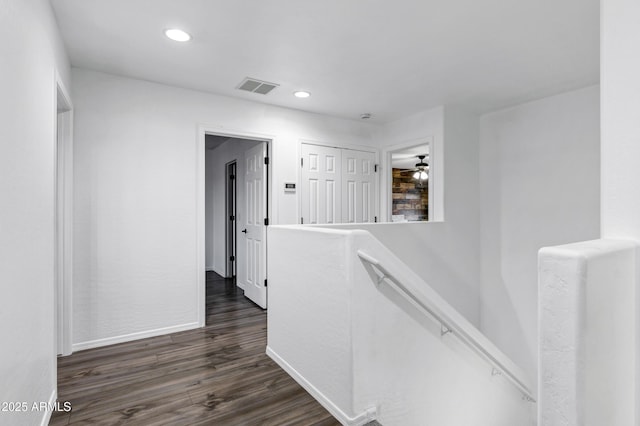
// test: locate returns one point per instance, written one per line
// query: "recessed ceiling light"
(176, 34)
(301, 94)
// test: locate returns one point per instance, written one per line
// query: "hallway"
(217, 375)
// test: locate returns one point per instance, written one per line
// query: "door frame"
(231, 225)
(272, 205)
(435, 175)
(63, 218)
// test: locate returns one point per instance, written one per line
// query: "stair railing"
(466, 333)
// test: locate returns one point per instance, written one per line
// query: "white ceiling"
(389, 58)
(408, 157)
(211, 142)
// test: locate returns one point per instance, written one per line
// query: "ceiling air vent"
(257, 86)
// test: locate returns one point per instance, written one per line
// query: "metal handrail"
(448, 324)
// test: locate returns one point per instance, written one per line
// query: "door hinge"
(232, 258)
(265, 282)
(232, 218)
(266, 221)
(301, 162)
(266, 160)
(375, 218)
(302, 221)
(375, 168)
(232, 177)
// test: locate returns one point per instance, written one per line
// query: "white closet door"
(321, 184)
(358, 186)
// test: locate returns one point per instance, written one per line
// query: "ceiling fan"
(421, 171)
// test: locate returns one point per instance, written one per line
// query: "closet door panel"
(359, 185)
(320, 193)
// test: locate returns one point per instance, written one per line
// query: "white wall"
(31, 52)
(409, 131)
(539, 173)
(432, 251)
(595, 283)
(135, 195)
(216, 161)
(444, 254)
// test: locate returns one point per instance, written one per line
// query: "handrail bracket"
(444, 329)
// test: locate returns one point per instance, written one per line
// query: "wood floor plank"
(60, 419)
(216, 375)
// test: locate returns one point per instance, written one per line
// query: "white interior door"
(358, 186)
(252, 270)
(321, 184)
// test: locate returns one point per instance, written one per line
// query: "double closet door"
(338, 185)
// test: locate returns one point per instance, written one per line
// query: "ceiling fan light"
(423, 175)
(416, 175)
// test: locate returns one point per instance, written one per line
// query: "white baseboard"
(358, 420)
(47, 414)
(133, 336)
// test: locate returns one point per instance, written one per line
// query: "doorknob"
(244, 230)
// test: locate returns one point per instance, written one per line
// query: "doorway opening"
(408, 184)
(237, 210)
(63, 220)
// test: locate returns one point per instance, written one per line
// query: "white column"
(587, 334)
(620, 88)
(620, 145)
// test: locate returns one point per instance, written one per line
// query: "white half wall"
(364, 351)
(135, 195)
(539, 186)
(32, 52)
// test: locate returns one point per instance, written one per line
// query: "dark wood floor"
(217, 375)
